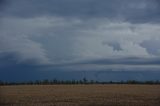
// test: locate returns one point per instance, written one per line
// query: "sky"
(71, 39)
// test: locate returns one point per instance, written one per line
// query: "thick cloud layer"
(77, 39)
(134, 11)
(92, 34)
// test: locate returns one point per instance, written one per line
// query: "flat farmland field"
(80, 95)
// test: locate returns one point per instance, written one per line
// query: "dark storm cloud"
(152, 46)
(134, 11)
(115, 45)
(8, 61)
(27, 72)
(2, 4)
(128, 61)
(85, 35)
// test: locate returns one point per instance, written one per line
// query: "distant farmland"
(80, 95)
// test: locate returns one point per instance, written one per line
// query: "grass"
(80, 95)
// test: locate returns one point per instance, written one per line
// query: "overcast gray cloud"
(77, 39)
(152, 46)
(134, 11)
(22, 49)
(83, 32)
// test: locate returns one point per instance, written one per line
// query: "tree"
(45, 81)
(85, 81)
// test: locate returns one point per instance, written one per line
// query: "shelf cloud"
(80, 34)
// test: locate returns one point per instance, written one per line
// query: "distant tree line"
(83, 81)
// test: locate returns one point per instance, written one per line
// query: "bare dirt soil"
(80, 95)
